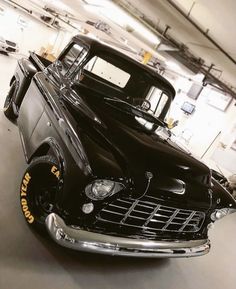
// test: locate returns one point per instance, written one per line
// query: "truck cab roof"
(94, 46)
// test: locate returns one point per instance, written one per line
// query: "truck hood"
(116, 148)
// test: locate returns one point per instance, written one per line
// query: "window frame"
(70, 72)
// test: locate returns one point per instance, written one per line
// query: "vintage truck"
(104, 175)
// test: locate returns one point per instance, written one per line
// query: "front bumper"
(78, 239)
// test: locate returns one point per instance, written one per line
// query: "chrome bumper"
(78, 239)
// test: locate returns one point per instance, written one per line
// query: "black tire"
(8, 104)
(38, 190)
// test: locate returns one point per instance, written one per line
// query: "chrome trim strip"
(77, 239)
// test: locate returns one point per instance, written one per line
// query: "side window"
(72, 58)
(158, 100)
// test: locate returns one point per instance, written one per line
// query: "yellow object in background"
(47, 53)
(147, 56)
(170, 122)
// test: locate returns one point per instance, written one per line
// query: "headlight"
(101, 189)
(2, 39)
(221, 213)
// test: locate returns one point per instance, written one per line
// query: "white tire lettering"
(24, 204)
(23, 194)
(27, 177)
(25, 208)
(30, 219)
(23, 188)
(27, 214)
(55, 171)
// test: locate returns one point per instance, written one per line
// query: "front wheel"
(38, 190)
(8, 104)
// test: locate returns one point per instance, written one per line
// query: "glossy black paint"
(92, 139)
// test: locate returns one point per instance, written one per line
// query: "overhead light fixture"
(199, 77)
(173, 65)
(57, 4)
(116, 14)
(91, 35)
(91, 8)
(96, 2)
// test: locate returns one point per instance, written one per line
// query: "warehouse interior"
(191, 44)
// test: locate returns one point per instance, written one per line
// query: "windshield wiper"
(115, 100)
(139, 112)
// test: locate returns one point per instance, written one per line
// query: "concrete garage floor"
(28, 260)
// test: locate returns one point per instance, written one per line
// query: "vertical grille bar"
(129, 211)
(171, 219)
(187, 221)
(151, 215)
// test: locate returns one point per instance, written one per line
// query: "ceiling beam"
(171, 2)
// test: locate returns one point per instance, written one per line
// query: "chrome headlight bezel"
(221, 213)
(103, 188)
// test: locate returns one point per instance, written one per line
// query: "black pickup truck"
(104, 175)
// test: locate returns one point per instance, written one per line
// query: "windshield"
(123, 85)
(118, 78)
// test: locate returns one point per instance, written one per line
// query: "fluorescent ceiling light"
(199, 77)
(91, 9)
(96, 2)
(91, 35)
(116, 14)
(77, 26)
(57, 4)
(173, 65)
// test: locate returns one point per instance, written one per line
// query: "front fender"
(51, 144)
(72, 178)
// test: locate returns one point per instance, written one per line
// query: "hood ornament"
(149, 176)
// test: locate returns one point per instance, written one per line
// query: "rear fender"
(25, 71)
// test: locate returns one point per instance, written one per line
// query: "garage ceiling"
(215, 18)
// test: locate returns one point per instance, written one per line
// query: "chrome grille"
(11, 43)
(150, 216)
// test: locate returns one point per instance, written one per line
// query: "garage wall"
(29, 33)
(207, 126)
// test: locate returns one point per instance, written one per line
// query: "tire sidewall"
(28, 202)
